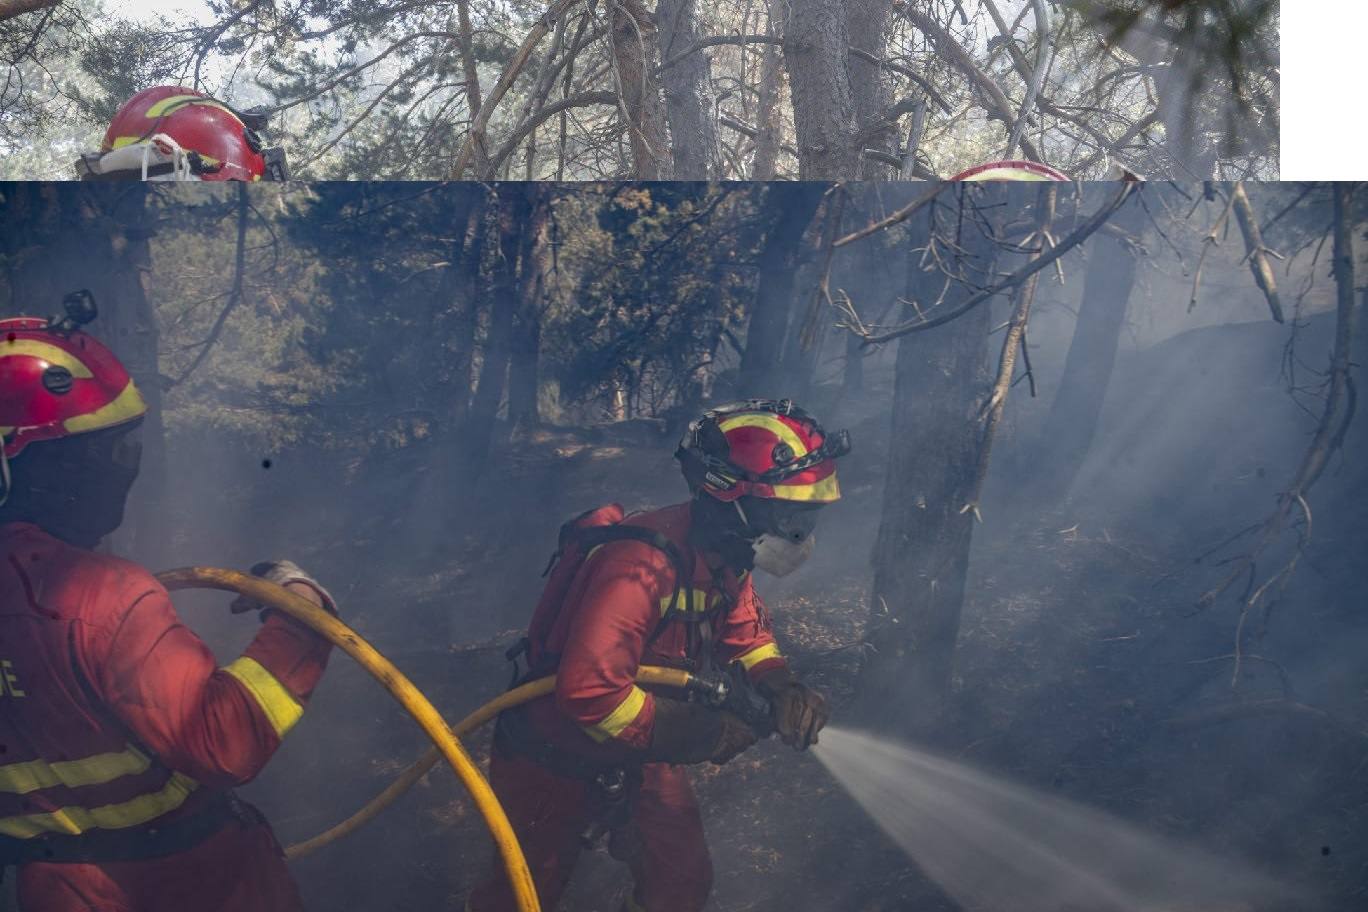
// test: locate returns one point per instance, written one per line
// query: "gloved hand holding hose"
(289, 575)
(799, 711)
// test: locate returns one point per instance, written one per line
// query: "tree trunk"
(65, 237)
(503, 304)
(689, 101)
(524, 380)
(460, 290)
(1072, 421)
(792, 208)
(867, 21)
(768, 123)
(921, 557)
(816, 48)
(635, 54)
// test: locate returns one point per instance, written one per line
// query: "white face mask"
(778, 556)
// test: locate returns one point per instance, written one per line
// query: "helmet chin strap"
(745, 520)
(4, 477)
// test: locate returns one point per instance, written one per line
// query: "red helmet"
(762, 448)
(56, 381)
(221, 143)
(1013, 170)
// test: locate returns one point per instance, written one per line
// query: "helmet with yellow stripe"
(763, 448)
(173, 132)
(57, 381)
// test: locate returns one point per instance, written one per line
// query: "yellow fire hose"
(400, 687)
(646, 674)
(444, 738)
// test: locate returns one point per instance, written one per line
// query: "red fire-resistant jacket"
(600, 630)
(113, 714)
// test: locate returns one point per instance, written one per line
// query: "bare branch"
(1080, 234)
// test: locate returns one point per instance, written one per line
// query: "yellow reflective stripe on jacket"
(74, 821)
(697, 600)
(613, 724)
(32, 775)
(279, 705)
(759, 654)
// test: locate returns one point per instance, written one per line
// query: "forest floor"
(1082, 671)
(1076, 656)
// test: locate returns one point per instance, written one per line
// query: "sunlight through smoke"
(994, 846)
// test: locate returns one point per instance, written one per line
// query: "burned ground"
(1084, 669)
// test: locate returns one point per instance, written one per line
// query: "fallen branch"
(1258, 253)
(896, 217)
(1209, 240)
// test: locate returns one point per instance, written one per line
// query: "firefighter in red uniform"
(603, 756)
(120, 738)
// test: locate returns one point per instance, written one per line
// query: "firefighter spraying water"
(601, 756)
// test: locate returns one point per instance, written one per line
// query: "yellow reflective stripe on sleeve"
(77, 820)
(279, 705)
(613, 724)
(759, 654)
(32, 775)
(769, 423)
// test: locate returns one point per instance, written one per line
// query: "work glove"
(282, 573)
(692, 733)
(799, 711)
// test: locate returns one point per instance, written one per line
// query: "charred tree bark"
(921, 557)
(867, 21)
(636, 60)
(459, 294)
(689, 101)
(524, 381)
(1072, 421)
(816, 51)
(503, 304)
(64, 237)
(791, 209)
(768, 123)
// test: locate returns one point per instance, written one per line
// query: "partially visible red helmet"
(762, 448)
(56, 381)
(1012, 170)
(224, 141)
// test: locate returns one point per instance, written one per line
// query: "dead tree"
(921, 557)
(790, 208)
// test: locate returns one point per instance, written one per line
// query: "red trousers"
(239, 869)
(668, 856)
